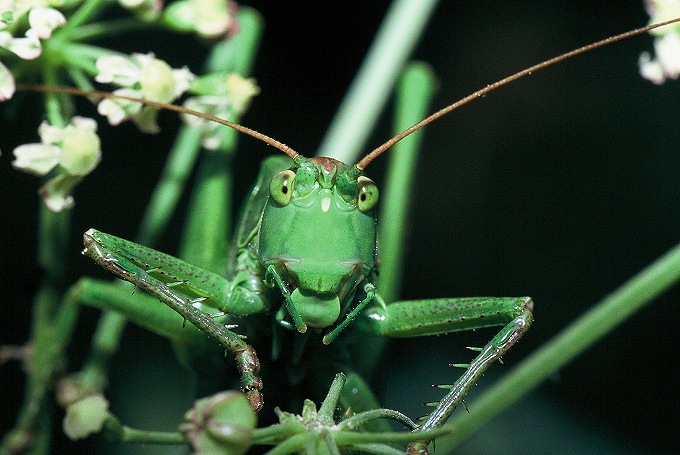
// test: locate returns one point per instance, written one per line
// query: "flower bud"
(220, 424)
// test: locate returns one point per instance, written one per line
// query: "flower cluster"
(209, 18)
(666, 62)
(140, 76)
(68, 154)
(221, 95)
(42, 21)
(75, 150)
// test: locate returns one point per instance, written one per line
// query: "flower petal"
(56, 193)
(44, 20)
(118, 70)
(81, 149)
(667, 50)
(27, 48)
(50, 134)
(241, 91)
(7, 87)
(85, 416)
(36, 159)
(117, 110)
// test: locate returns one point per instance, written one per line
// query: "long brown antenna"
(365, 161)
(171, 107)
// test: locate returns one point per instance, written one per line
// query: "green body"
(298, 286)
(321, 277)
(305, 253)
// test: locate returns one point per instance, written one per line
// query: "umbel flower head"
(140, 76)
(221, 95)
(72, 152)
(42, 20)
(665, 64)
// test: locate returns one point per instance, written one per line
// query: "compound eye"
(367, 194)
(281, 187)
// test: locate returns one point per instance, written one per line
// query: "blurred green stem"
(52, 326)
(365, 99)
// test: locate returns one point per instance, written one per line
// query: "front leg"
(185, 289)
(438, 316)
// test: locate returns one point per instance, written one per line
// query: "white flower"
(666, 63)
(232, 96)
(145, 10)
(85, 417)
(141, 76)
(42, 22)
(75, 149)
(27, 48)
(209, 18)
(7, 86)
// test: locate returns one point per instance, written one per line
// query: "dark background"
(560, 186)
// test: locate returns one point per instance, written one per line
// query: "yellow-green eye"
(367, 194)
(281, 187)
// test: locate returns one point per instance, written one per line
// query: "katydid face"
(320, 236)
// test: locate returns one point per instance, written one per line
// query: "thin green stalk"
(241, 50)
(108, 29)
(82, 56)
(152, 437)
(47, 341)
(372, 86)
(54, 102)
(592, 326)
(169, 188)
(414, 94)
(86, 11)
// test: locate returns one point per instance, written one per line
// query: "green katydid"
(330, 300)
(286, 316)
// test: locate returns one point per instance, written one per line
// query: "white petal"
(118, 110)
(241, 91)
(7, 87)
(81, 150)
(84, 123)
(5, 38)
(56, 193)
(50, 134)
(37, 159)
(183, 78)
(650, 69)
(44, 20)
(668, 53)
(117, 69)
(27, 48)
(131, 4)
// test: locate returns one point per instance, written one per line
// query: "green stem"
(171, 185)
(592, 326)
(104, 345)
(54, 103)
(374, 82)
(82, 56)
(88, 10)
(274, 433)
(108, 29)
(52, 326)
(414, 94)
(116, 432)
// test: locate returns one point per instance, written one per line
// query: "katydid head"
(318, 234)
